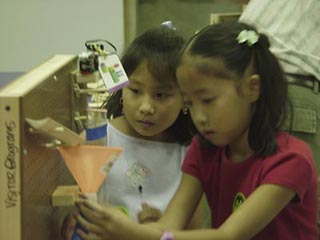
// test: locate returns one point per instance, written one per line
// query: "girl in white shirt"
(148, 121)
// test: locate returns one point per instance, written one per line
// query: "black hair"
(219, 41)
(159, 48)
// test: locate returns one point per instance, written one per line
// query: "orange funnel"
(89, 164)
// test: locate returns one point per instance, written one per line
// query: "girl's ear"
(253, 87)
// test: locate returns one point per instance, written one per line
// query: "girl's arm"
(109, 223)
(184, 205)
(201, 217)
(248, 220)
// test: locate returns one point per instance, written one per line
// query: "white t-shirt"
(146, 171)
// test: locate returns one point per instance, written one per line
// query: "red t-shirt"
(227, 184)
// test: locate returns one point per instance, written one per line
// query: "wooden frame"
(130, 20)
(29, 171)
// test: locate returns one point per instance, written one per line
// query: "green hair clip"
(248, 36)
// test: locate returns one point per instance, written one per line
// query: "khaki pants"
(305, 121)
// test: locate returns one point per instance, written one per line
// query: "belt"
(309, 82)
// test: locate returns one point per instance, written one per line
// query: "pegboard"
(29, 171)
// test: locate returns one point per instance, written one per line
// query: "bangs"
(162, 69)
(210, 66)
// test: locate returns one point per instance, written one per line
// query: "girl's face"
(220, 107)
(150, 107)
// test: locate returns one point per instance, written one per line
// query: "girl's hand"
(68, 226)
(102, 223)
(148, 214)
